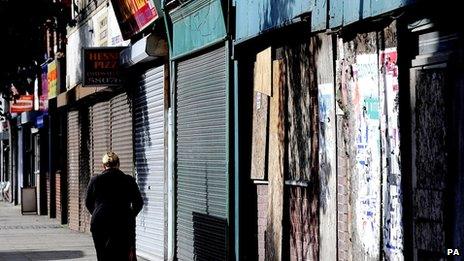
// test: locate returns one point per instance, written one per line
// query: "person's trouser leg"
(100, 240)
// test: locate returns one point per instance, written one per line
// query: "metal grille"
(121, 131)
(149, 131)
(100, 135)
(73, 170)
(201, 157)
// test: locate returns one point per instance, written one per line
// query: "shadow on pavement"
(41, 255)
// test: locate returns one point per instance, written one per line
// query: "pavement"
(33, 237)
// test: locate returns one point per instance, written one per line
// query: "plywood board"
(259, 135)
(276, 164)
(327, 146)
(299, 111)
(263, 72)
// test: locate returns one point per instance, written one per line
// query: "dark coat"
(114, 200)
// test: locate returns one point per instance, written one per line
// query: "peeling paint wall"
(361, 108)
(369, 178)
(390, 128)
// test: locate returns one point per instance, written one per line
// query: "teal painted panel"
(336, 13)
(254, 17)
(319, 16)
(196, 25)
(356, 10)
(344, 12)
(158, 6)
(352, 10)
(383, 6)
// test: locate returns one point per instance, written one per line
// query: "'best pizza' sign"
(101, 66)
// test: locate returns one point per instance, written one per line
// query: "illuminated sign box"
(101, 66)
(23, 104)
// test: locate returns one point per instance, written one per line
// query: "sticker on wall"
(365, 100)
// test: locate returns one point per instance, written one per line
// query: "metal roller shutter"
(73, 170)
(20, 160)
(121, 132)
(149, 130)
(201, 157)
(85, 150)
(100, 135)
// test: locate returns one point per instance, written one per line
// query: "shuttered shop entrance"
(201, 157)
(121, 132)
(73, 170)
(149, 131)
(85, 151)
(100, 135)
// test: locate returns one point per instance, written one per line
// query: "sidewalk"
(32, 237)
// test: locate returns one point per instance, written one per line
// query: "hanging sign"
(134, 15)
(43, 102)
(101, 66)
(51, 77)
(23, 104)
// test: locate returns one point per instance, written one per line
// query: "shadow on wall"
(302, 159)
(41, 255)
(209, 237)
(142, 141)
(275, 12)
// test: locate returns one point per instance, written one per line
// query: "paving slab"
(33, 237)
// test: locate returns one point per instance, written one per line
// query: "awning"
(146, 49)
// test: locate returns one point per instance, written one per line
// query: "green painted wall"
(197, 24)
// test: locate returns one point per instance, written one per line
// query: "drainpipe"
(171, 145)
(237, 165)
(166, 24)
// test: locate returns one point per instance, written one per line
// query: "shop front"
(146, 62)
(201, 128)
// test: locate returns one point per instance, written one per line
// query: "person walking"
(114, 200)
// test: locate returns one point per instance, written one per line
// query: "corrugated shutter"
(149, 130)
(121, 131)
(201, 157)
(73, 170)
(20, 160)
(85, 150)
(100, 134)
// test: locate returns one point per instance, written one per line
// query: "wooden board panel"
(259, 135)
(327, 146)
(299, 115)
(263, 72)
(276, 164)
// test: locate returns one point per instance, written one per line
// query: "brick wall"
(47, 182)
(343, 220)
(58, 196)
(262, 206)
(299, 223)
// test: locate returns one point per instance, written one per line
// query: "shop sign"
(43, 103)
(52, 80)
(23, 104)
(39, 121)
(101, 66)
(44, 88)
(134, 15)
